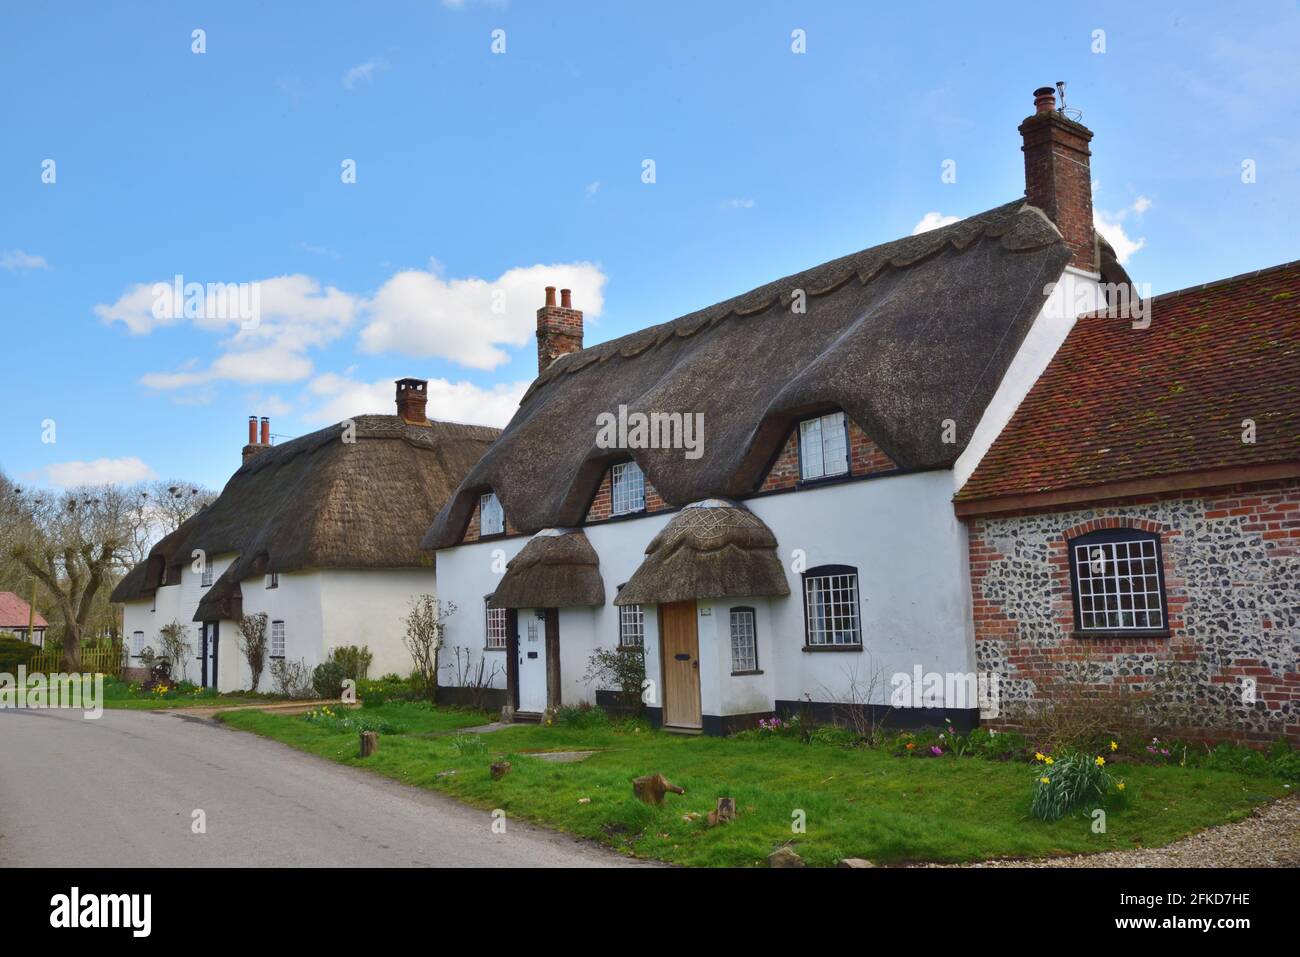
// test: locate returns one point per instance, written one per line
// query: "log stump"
(499, 769)
(369, 743)
(651, 788)
(724, 812)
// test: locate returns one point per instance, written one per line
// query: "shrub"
(621, 668)
(331, 720)
(464, 744)
(998, 745)
(292, 678)
(252, 644)
(372, 694)
(1070, 781)
(15, 652)
(582, 717)
(327, 679)
(355, 661)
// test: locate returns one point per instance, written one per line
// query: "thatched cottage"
(321, 533)
(759, 495)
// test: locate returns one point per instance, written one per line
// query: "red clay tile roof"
(13, 612)
(1120, 404)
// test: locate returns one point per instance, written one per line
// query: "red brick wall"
(865, 458)
(1059, 182)
(1232, 588)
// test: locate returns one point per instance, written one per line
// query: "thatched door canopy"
(558, 568)
(711, 549)
(224, 601)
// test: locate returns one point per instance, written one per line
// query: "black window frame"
(848, 449)
(821, 571)
(1111, 536)
(753, 617)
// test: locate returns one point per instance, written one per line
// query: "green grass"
(129, 696)
(857, 802)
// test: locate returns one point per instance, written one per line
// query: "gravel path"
(1270, 837)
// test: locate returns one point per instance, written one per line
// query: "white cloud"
(343, 397)
(419, 313)
(122, 471)
(739, 204)
(933, 220)
(15, 260)
(364, 71)
(592, 189)
(295, 314)
(1111, 227)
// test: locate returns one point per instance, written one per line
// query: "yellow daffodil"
(1038, 755)
(1046, 780)
(1114, 746)
(1048, 761)
(1100, 762)
(1120, 786)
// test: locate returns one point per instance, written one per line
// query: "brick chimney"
(1058, 178)
(559, 328)
(412, 397)
(257, 443)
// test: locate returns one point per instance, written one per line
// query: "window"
(491, 520)
(823, 446)
(137, 643)
(277, 639)
(626, 488)
(207, 573)
(744, 641)
(830, 604)
(273, 580)
(496, 627)
(1118, 581)
(631, 626)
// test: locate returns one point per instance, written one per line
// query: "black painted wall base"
(491, 699)
(829, 712)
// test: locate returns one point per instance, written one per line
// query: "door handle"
(682, 657)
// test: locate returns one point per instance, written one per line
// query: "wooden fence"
(102, 660)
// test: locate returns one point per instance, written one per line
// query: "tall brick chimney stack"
(1058, 178)
(412, 398)
(257, 443)
(559, 328)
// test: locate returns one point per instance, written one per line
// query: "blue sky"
(482, 174)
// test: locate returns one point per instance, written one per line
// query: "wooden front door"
(679, 650)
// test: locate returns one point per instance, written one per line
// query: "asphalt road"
(121, 791)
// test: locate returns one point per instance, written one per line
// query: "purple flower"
(936, 750)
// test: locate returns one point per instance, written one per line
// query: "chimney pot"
(566, 301)
(559, 329)
(1044, 99)
(252, 430)
(266, 431)
(1058, 177)
(412, 399)
(550, 295)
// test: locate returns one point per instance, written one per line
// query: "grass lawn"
(856, 802)
(128, 696)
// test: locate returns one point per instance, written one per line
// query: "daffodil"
(1114, 746)
(1048, 761)
(1100, 762)
(1120, 786)
(1046, 780)
(1038, 755)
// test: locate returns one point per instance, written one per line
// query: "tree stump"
(500, 769)
(724, 812)
(652, 787)
(784, 857)
(369, 743)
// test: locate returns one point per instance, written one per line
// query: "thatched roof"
(558, 568)
(224, 601)
(901, 336)
(710, 549)
(319, 501)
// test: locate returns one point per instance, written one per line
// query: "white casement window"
(491, 519)
(1118, 581)
(137, 643)
(273, 580)
(631, 626)
(277, 639)
(207, 574)
(744, 641)
(496, 627)
(830, 594)
(823, 446)
(626, 488)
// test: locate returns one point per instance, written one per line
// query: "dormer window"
(491, 519)
(626, 488)
(273, 580)
(206, 574)
(823, 446)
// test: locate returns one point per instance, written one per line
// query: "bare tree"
(425, 625)
(252, 643)
(172, 502)
(70, 542)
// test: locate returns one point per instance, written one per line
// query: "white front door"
(532, 659)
